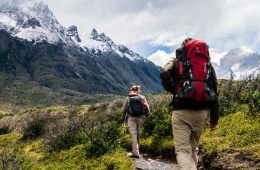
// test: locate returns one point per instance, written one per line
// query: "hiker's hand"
(213, 127)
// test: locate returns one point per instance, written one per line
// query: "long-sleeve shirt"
(170, 80)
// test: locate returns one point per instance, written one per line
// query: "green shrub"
(103, 138)
(9, 152)
(235, 132)
(5, 130)
(233, 93)
(254, 104)
(115, 160)
(34, 125)
(5, 127)
(64, 134)
(159, 123)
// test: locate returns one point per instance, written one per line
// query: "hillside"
(62, 136)
(36, 48)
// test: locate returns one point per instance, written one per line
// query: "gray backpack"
(135, 106)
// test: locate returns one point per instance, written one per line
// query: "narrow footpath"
(154, 164)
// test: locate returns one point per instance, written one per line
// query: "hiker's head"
(136, 88)
(184, 42)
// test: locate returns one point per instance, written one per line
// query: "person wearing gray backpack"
(135, 109)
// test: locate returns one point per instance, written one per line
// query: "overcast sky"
(147, 26)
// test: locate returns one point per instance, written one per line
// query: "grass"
(17, 95)
(32, 155)
(238, 132)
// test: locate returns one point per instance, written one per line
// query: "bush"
(235, 132)
(9, 153)
(5, 130)
(35, 124)
(64, 134)
(114, 160)
(159, 123)
(233, 93)
(103, 136)
(5, 126)
(254, 104)
(34, 128)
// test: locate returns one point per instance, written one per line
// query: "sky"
(159, 26)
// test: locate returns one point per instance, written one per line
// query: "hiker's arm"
(124, 109)
(166, 76)
(214, 113)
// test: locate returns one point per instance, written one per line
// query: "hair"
(135, 88)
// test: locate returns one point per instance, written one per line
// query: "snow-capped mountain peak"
(101, 37)
(72, 31)
(34, 21)
(100, 43)
(31, 20)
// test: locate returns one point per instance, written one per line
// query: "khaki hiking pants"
(187, 127)
(134, 125)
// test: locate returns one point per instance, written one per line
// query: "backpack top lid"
(197, 47)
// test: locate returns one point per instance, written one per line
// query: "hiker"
(135, 109)
(192, 81)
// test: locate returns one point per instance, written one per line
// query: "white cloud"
(216, 55)
(224, 24)
(246, 49)
(160, 58)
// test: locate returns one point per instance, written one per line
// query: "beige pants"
(187, 127)
(134, 125)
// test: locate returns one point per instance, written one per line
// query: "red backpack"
(195, 73)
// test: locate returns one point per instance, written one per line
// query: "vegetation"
(17, 95)
(236, 131)
(92, 136)
(32, 155)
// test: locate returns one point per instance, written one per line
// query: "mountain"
(238, 61)
(35, 47)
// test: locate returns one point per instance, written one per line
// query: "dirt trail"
(154, 164)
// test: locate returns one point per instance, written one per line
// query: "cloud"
(216, 55)
(223, 24)
(160, 58)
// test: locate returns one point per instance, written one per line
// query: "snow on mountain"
(57, 57)
(100, 43)
(238, 61)
(31, 20)
(34, 21)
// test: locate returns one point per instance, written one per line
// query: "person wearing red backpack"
(135, 108)
(192, 81)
